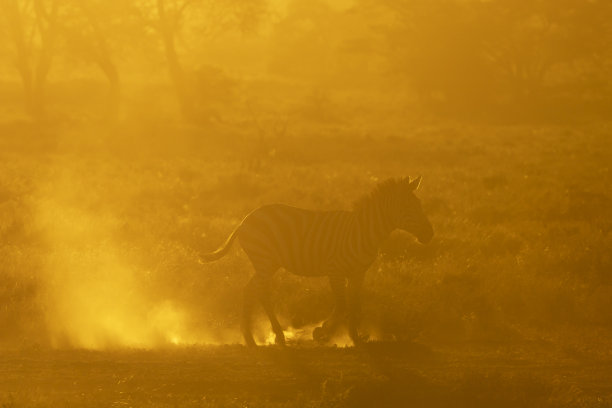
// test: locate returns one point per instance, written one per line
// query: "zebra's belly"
(301, 270)
(305, 264)
(272, 257)
(335, 265)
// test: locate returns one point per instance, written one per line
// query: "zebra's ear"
(414, 184)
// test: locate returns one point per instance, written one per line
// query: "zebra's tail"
(223, 249)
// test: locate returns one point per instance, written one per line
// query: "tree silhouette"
(475, 54)
(168, 19)
(33, 27)
(93, 32)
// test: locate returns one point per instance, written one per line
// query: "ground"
(378, 374)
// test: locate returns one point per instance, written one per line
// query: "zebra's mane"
(385, 188)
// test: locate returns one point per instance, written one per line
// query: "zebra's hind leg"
(250, 296)
(264, 298)
(258, 288)
(323, 334)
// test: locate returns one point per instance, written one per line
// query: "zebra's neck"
(373, 225)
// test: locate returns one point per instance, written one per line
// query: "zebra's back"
(302, 241)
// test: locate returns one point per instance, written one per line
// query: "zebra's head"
(410, 215)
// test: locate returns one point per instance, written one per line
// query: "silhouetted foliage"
(498, 56)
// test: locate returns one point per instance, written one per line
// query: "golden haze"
(136, 134)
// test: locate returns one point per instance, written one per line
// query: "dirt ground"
(530, 373)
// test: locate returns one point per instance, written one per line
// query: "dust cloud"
(91, 294)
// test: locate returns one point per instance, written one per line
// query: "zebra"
(338, 244)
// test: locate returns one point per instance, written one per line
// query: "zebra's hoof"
(320, 335)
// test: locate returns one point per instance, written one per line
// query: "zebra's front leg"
(354, 306)
(323, 334)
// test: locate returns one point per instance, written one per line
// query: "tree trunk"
(23, 60)
(34, 85)
(177, 75)
(167, 30)
(47, 27)
(102, 57)
(25, 73)
(109, 69)
(40, 86)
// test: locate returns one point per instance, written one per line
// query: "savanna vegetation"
(135, 135)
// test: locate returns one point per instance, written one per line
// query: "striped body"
(304, 242)
(338, 244)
